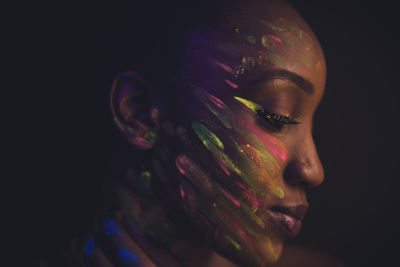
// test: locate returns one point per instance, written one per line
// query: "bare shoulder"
(294, 255)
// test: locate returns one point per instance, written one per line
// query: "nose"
(304, 167)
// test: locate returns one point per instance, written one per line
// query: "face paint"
(129, 258)
(208, 138)
(280, 32)
(231, 84)
(194, 174)
(270, 41)
(270, 167)
(89, 248)
(111, 227)
(215, 106)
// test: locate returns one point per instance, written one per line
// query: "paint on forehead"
(274, 58)
(280, 32)
(297, 31)
(270, 41)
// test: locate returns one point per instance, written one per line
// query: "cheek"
(229, 178)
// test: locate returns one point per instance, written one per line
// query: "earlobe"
(133, 109)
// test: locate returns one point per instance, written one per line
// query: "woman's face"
(243, 153)
(246, 153)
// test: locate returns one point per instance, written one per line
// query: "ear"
(133, 109)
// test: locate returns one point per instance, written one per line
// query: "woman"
(219, 147)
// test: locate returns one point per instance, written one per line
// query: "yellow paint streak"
(233, 242)
(251, 105)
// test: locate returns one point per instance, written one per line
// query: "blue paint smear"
(110, 226)
(89, 248)
(130, 259)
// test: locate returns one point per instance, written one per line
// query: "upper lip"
(297, 211)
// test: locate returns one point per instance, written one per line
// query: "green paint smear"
(208, 138)
(228, 162)
(251, 105)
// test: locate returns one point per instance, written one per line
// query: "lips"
(288, 218)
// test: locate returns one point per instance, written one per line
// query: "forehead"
(250, 42)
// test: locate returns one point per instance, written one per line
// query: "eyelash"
(277, 120)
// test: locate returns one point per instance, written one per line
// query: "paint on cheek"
(234, 201)
(181, 191)
(265, 162)
(208, 138)
(233, 242)
(193, 173)
(189, 197)
(249, 195)
(274, 145)
(215, 106)
(222, 65)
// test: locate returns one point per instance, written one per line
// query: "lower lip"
(288, 224)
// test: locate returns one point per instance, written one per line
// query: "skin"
(219, 166)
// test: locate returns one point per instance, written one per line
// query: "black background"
(66, 57)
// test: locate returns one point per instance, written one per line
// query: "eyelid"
(258, 109)
(278, 117)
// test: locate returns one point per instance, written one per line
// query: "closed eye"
(277, 120)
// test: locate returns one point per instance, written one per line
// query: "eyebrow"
(283, 74)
